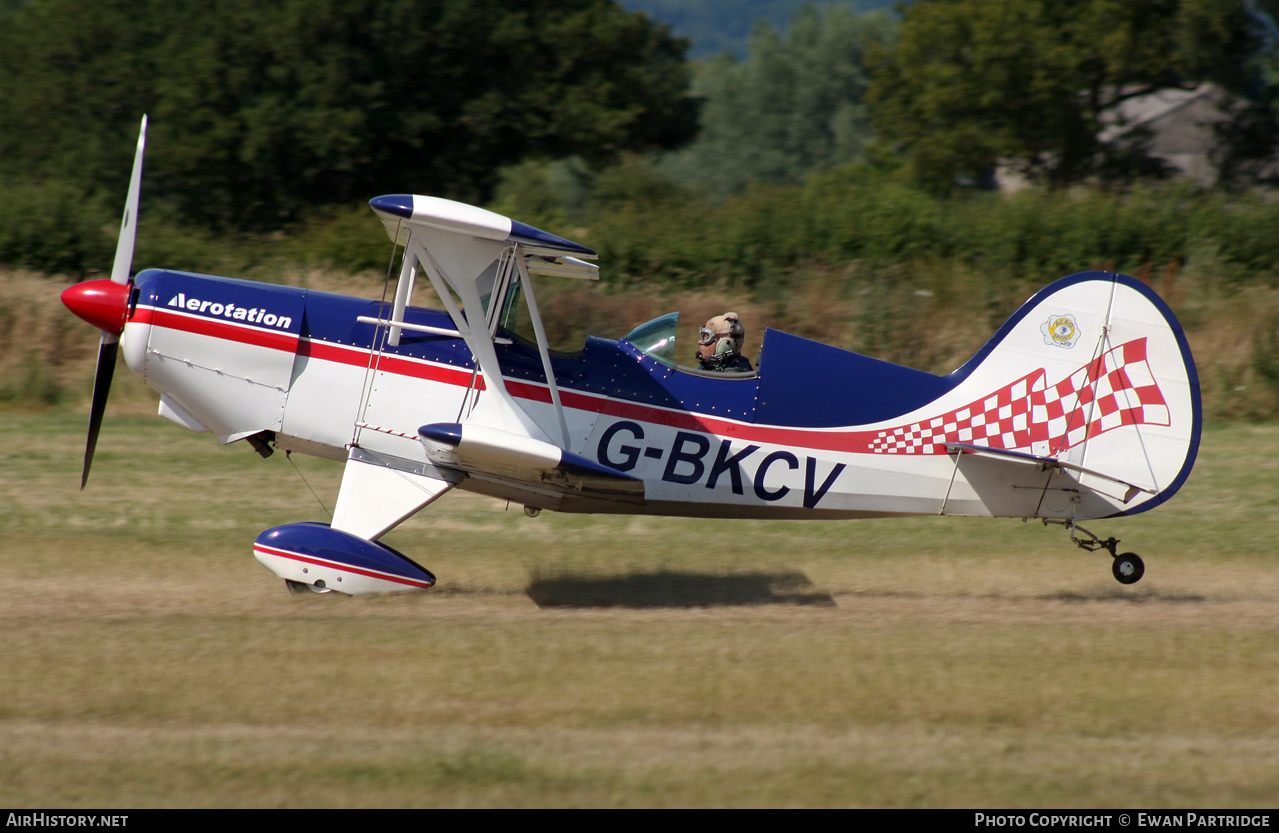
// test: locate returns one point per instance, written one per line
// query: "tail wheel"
(1128, 568)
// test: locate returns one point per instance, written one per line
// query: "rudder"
(1094, 370)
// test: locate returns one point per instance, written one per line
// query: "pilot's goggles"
(706, 336)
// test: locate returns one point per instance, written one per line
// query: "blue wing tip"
(585, 465)
(400, 205)
(526, 233)
(444, 433)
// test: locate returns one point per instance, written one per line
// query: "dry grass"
(149, 661)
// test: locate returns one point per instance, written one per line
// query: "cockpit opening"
(656, 339)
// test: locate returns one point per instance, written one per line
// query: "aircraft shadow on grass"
(1139, 598)
(674, 589)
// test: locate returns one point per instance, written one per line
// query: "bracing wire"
(378, 333)
(288, 455)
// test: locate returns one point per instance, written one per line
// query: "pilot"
(719, 345)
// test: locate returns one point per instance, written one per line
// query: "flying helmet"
(720, 342)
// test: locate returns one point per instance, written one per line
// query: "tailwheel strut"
(1128, 568)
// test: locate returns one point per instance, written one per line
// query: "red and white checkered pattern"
(1111, 391)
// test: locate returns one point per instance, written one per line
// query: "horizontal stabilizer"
(1046, 463)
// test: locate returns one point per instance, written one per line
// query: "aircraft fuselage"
(247, 359)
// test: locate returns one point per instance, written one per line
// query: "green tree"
(794, 105)
(9, 7)
(261, 110)
(1031, 82)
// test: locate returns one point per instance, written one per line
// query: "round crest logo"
(1060, 330)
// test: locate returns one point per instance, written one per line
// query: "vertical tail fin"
(1093, 371)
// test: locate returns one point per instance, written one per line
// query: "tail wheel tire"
(1128, 568)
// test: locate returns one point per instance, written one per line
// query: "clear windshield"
(656, 338)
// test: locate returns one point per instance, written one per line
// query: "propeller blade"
(129, 225)
(107, 349)
(88, 304)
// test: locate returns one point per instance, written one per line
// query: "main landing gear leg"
(1127, 566)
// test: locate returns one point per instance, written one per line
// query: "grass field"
(148, 660)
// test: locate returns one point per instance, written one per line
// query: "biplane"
(1084, 405)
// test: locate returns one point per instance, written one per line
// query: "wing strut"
(472, 257)
(539, 329)
(433, 271)
(403, 294)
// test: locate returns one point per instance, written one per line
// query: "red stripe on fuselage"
(398, 365)
(833, 440)
(227, 330)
